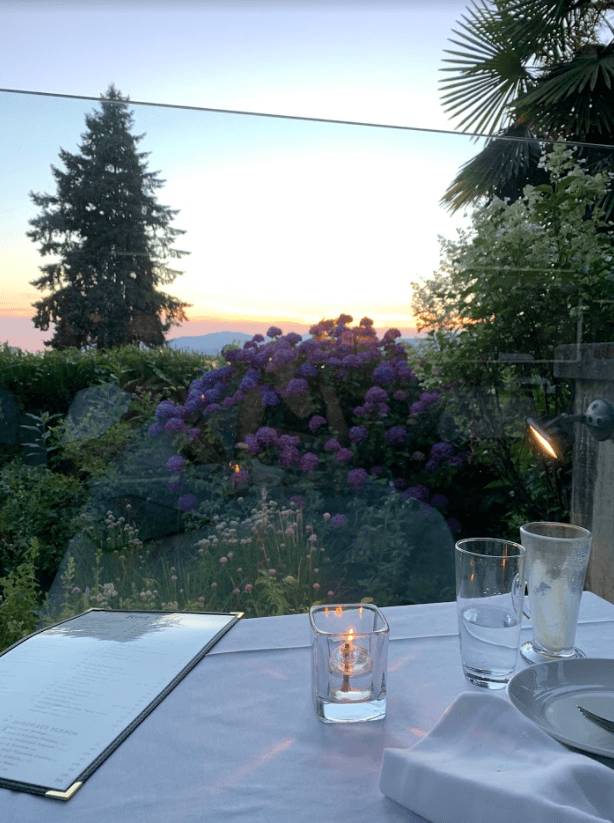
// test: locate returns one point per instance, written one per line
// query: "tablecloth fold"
(486, 761)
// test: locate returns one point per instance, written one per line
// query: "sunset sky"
(287, 221)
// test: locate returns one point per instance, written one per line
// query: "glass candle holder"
(349, 656)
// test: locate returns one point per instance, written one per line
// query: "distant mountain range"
(214, 342)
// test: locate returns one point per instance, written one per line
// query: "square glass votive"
(349, 658)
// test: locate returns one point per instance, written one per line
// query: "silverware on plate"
(608, 725)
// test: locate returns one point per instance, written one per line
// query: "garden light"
(599, 418)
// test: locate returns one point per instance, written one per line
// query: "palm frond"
(488, 72)
(575, 98)
(552, 29)
(503, 168)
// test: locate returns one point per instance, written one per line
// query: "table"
(238, 739)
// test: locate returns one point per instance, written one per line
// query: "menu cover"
(71, 693)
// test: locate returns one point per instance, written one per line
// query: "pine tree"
(111, 238)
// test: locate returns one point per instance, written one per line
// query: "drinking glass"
(557, 559)
(490, 580)
(349, 662)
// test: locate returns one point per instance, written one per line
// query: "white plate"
(549, 694)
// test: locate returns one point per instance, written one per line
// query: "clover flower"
(248, 588)
(338, 521)
(309, 462)
(395, 435)
(357, 478)
(316, 421)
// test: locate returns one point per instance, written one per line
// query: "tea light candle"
(350, 660)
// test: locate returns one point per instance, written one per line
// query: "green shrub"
(37, 503)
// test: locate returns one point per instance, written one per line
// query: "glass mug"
(557, 559)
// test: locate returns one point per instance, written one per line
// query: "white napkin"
(484, 761)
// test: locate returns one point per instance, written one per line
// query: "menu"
(70, 694)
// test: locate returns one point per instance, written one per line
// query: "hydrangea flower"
(375, 395)
(308, 370)
(457, 460)
(453, 525)
(212, 408)
(357, 478)
(400, 483)
(174, 424)
(241, 476)
(309, 462)
(376, 470)
(297, 385)
(266, 436)
(337, 521)
(316, 421)
(293, 338)
(358, 433)
(253, 446)
(400, 395)
(344, 455)
(175, 463)
(391, 335)
(417, 492)
(384, 373)
(186, 503)
(270, 397)
(441, 450)
(351, 361)
(395, 435)
(332, 445)
(431, 465)
(274, 332)
(155, 429)
(288, 455)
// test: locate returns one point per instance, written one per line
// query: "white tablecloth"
(238, 738)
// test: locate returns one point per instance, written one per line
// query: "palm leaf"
(488, 72)
(551, 29)
(575, 98)
(503, 168)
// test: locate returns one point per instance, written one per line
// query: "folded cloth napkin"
(484, 761)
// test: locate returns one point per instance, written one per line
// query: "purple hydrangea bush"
(336, 412)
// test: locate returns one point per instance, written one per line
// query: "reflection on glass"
(364, 403)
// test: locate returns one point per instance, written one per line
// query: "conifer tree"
(111, 239)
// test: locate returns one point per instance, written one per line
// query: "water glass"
(349, 662)
(557, 559)
(490, 581)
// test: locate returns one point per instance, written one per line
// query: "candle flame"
(338, 611)
(360, 612)
(235, 467)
